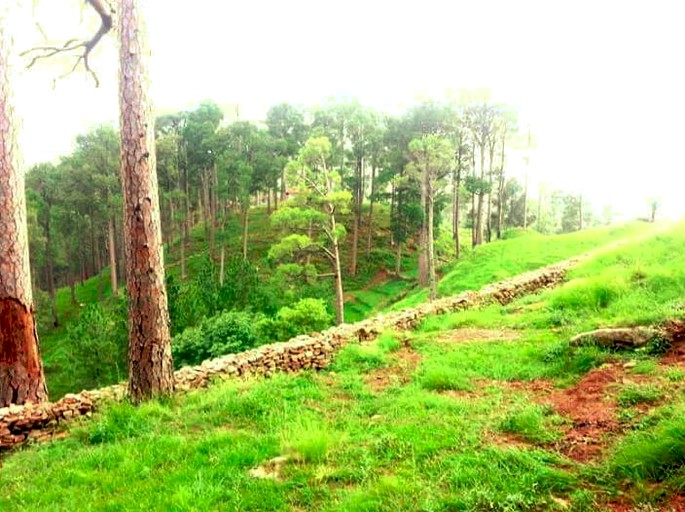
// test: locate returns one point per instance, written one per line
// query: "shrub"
(306, 316)
(226, 333)
(97, 345)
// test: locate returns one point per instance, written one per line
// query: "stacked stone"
(21, 423)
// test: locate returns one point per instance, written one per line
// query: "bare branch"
(72, 45)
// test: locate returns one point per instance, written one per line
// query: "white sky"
(600, 82)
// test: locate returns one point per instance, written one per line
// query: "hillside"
(67, 357)
(518, 419)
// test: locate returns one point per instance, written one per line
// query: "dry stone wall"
(19, 424)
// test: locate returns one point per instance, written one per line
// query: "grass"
(509, 257)
(442, 440)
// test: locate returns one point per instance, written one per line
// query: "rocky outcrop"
(19, 424)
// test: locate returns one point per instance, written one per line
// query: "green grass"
(455, 435)
(509, 257)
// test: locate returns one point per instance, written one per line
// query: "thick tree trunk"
(112, 258)
(150, 365)
(21, 369)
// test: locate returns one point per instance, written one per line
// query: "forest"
(331, 307)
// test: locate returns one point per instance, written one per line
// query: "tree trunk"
(423, 239)
(246, 212)
(21, 369)
(488, 220)
(72, 288)
(183, 258)
(339, 297)
(150, 365)
(112, 258)
(430, 251)
(357, 212)
(221, 265)
(456, 181)
(481, 197)
(525, 203)
(580, 212)
(398, 259)
(371, 202)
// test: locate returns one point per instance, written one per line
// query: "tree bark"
(150, 365)
(481, 196)
(246, 212)
(456, 183)
(357, 212)
(371, 202)
(488, 220)
(112, 258)
(500, 191)
(430, 251)
(398, 259)
(339, 297)
(21, 370)
(423, 239)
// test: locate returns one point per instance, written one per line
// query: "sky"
(600, 83)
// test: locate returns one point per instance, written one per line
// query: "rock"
(623, 337)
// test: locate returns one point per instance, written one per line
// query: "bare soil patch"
(591, 406)
(399, 372)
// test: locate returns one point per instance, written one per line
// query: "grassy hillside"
(521, 252)
(482, 410)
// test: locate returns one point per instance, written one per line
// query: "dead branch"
(72, 45)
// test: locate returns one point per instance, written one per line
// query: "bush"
(306, 316)
(226, 333)
(97, 345)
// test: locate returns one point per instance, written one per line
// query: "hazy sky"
(601, 82)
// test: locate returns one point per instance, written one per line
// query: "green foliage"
(96, 346)
(305, 316)
(655, 454)
(226, 333)
(637, 394)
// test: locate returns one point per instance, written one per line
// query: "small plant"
(361, 358)
(532, 423)
(387, 342)
(309, 441)
(444, 378)
(675, 374)
(634, 395)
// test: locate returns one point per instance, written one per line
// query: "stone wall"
(19, 424)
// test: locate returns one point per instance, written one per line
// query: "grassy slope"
(434, 439)
(526, 251)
